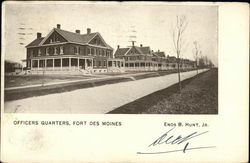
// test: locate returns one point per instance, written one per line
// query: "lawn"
(23, 80)
(40, 90)
(199, 95)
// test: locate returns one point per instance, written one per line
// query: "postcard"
(124, 81)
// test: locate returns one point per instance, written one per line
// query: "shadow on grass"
(142, 105)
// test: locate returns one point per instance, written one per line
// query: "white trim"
(128, 51)
(97, 33)
(48, 35)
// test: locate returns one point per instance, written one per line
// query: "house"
(65, 51)
(160, 58)
(137, 58)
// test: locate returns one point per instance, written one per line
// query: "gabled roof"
(70, 37)
(75, 37)
(141, 50)
(172, 59)
(145, 49)
(36, 42)
(159, 54)
(121, 51)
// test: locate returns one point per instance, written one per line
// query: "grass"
(16, 94)
(199, 95)
(23, 80)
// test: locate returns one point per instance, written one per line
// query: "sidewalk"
(94, 100)
(74, 81)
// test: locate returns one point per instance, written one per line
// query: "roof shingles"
(36, 42)
(69, 36)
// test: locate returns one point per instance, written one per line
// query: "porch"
(61, 64)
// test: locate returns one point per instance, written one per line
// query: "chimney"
(58, 26)
(158, 50)
(141, 45)
(78, 31)
(118, 46)
(152, 51)
(133, 43)
(88, 30)
(39, 35)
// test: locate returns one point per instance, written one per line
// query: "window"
(110, 63)
(55, 50)
(100, 52)
(51, 50)
(104, 53)
(99, 63)
(88, 51)
(94, 63)
(39, 52)
(31, 53)
(94, 51)
(76, 50)
(104, 63)
(47, 51)
(61, 49)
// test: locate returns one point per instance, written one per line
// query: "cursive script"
(169, 139)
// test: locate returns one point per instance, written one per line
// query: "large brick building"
(62, 50)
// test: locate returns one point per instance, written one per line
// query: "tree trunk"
(197, 67)
(179, 75)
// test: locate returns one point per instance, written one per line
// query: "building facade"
(142, 58)
(66, 51)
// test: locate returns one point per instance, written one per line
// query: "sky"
(152, 23)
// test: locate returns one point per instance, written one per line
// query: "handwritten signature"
(169, 139)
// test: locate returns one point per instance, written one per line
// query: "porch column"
(45, 64)
(61, 64)
(85, 63)
(38, 64)
(53, 64)
(31, 66)
(78, 63)
(69, 63)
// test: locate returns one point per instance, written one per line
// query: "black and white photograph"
(130, 59)
(136, 82)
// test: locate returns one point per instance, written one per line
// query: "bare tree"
(179, 40)
(196, 52)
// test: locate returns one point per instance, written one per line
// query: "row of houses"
(66, 51)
